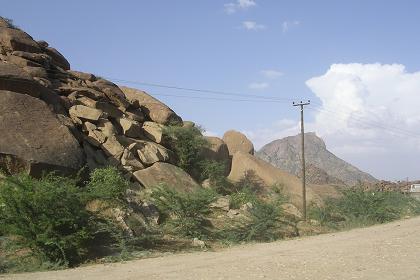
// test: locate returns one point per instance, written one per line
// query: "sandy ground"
(390, 251)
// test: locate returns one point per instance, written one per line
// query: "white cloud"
(287, 25)
(272, 74)
(233, 7)
(368, 115)
(258, 86)
(252, 25)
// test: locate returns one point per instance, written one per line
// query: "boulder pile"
(53, 118)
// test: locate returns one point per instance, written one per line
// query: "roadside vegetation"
(358, 208)
(58, 222)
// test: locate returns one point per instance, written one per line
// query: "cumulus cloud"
(258, 86)
(368, 114)
(233, 7)
(272, 74)
(252, 25)
(287, 25)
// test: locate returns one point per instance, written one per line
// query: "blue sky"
(250, 47)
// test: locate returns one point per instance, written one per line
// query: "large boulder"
(153, 108)
(167, 174)
(237, 142)
(269, 176)
(33, 138)
(15, 79)
(57, 58)
(217, 151)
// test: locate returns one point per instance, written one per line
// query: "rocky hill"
(323, 167)
(53, 118)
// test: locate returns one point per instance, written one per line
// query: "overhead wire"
(264, 99)
(269, 99)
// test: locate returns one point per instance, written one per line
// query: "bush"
(49, 215)
(185, 214)
(107, 184)
(263, 224)
(188, 144)
(250, 181)
(215, 172)
(361, 208)
(242, 197)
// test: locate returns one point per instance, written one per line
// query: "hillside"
(323, 167)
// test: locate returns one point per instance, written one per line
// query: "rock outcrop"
(157, 111)
(217, 151)
(270, 176)
(165, 173)
(237, 142)
(54, 118)
(32, 135)
(322, 165)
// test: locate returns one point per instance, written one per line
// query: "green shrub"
(215, 172)
(107, 184)
(185, 214)
(263, 224)
(250, 181)
(239, 198)
(188, 144)
(49, 215)
(357, 207)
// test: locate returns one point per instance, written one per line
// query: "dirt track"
(390, 251)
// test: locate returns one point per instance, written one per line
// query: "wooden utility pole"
(302, 131)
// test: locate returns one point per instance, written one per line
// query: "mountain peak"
(326, 167)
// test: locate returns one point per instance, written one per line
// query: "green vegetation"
(357, 208)
(57, 222)
(48, 217)
(263, 223)
(188, 144)
(185, 214)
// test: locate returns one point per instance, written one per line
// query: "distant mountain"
(323, 167)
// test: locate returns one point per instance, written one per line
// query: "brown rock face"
(270, 176)
(53, 118)
(31, 133)
(238, 142)
(153, 108)
(217, 151)
(57, 58)
(165, 173)
(12, 39)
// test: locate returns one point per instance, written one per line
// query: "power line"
(397, 132)
(258, 98)
(368, 122)
(263, 99)
(222, 99)
(200, 90)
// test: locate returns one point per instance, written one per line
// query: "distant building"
(415, 188)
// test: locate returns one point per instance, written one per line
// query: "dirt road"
(390, 251)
